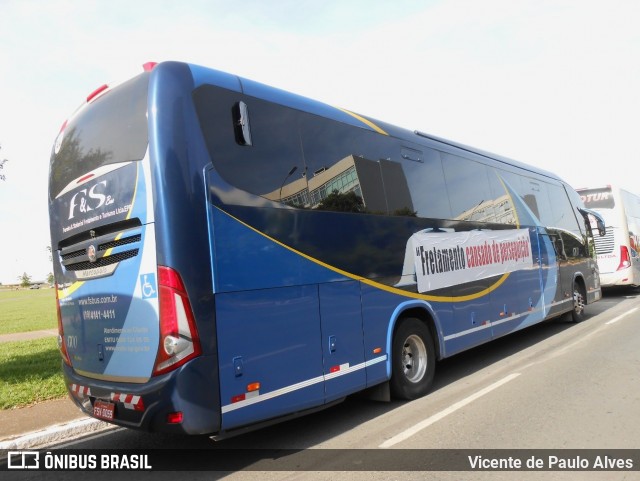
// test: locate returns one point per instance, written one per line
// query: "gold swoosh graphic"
(364, 121)
(369, 282)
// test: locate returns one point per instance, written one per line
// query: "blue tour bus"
(228, 255)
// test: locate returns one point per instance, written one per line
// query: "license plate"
(104, 410)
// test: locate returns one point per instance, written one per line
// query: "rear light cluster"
(179, 341)
(625, 258)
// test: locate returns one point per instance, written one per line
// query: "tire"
(579, 301)
(412, 360)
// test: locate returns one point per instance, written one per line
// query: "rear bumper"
(190, 389)
(623, 277)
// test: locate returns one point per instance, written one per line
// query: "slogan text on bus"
(452, 258)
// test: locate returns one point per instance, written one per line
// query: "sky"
(553, 83)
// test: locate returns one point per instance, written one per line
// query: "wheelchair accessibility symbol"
(148, 285)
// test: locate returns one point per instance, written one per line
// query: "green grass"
(30, 372)
(27, 310)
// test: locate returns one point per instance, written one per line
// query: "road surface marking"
(616, 319)
(398, 438)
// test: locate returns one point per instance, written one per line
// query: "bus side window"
(470, 193)
(346, 164)
(427, 185)
(272, 134)
(562, 212)
(558, 246)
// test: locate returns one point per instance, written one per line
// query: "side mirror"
(599, 220)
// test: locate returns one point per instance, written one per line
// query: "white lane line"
(616, 319)
(398, 438)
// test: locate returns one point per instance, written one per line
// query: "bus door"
(555, 275)
(342, 338)
(548, 272)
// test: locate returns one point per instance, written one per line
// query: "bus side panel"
(245, 259)
(380, 313)
(520, 301)
(342, 343)
(270, 359)
(612, 273)
(377, 312)
(470, 324)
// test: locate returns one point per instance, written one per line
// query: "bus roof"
(206, 75)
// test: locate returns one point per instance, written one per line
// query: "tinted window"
(428, 187)
(486, 202)
(301, 159)
(342, 158)
(470, 194)
(536, 195)
(562, 213)
(503, 207)
(112, 129)
(263, 167)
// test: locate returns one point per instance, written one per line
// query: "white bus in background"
(617, 251)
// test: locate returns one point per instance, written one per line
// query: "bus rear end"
(617, 252)
(127, 332)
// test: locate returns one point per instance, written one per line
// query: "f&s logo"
(93, 198)
(23, 460)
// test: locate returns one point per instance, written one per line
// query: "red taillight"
(148, 67)
(625, 258)
(175, 418)
(61, 344)
(179, 341)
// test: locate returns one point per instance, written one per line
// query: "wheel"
(577, 314)
(412, 360)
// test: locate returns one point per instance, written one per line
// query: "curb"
(56, 434)
(28, 336)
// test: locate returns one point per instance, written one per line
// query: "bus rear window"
(112, 129)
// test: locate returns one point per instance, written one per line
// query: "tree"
(405, 212)
(339, 202)
(2, 162)
(51, 279)
(25, 280)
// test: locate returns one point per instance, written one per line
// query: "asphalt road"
(555, 386)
